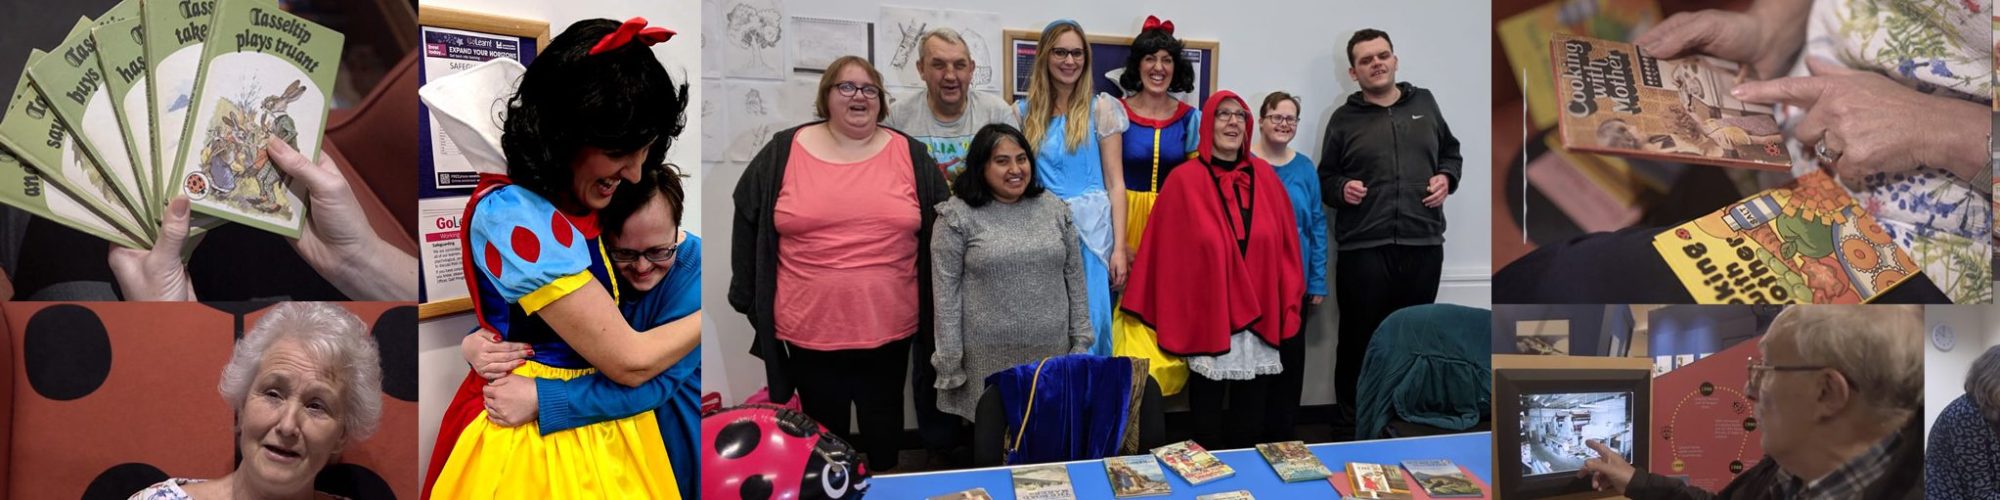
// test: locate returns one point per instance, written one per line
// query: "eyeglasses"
(868, 91)
(656, 255)
(1757, 369)
(1238, 116)
(1067, 53)
(1281, 119)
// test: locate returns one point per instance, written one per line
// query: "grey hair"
(332, 336)
(1983, 384)
(1878, 348)
(946, 34)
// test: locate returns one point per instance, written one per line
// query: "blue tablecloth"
(1474, 451)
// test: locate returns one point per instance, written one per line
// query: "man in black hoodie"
(1387, 163)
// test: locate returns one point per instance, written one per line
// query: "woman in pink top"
(831, 259)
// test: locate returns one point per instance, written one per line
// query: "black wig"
(618, 101)
(1155, 40)
(971, 183)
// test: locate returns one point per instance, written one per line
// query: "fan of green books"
(157, 99)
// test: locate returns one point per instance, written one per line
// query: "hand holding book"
(1871, 125)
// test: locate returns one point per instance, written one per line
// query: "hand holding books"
(336, 241)
(157, 274)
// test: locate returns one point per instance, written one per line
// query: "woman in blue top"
(661, 267)
(1280, 115)
(1077, 158)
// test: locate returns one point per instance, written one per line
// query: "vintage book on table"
(1805, 243)
(1228, 495)
(73, 82)
(265, 74)
(1136, 476)
(1292, 461)
(1376, 481)
(1613, 99)
(1043, 482)
(1442, 479)
(46, 174)
(971, 494)
(1525, 38)
(1193, 463)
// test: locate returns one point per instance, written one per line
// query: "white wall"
(1293, 45)
(1944, 372)
(440, 365)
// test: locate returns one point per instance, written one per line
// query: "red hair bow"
(1155, 22)
(633, 29)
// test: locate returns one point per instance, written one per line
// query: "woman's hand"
(1118, 266)
(511, 401)
(1870, 124)
(1727, 35)
(337, 240)
(491, 357)
(157, 274)
(1764, 38)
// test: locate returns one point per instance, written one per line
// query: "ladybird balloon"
(760, 452)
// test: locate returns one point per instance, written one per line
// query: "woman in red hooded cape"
(1218, 276)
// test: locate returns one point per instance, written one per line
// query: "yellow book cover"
(1525, 37)
(1806, 243)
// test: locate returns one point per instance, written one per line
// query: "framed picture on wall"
(453, 40)
(1107, 60)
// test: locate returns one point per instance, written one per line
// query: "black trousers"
(1369, 284)
(1287, 387)
(867, 381)
(940, 431)
(1241, 413)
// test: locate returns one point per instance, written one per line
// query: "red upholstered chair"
(377, 141)
(106, 398)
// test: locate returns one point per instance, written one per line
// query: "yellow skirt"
(1138, 208)
(1131, 338)
(623, 458)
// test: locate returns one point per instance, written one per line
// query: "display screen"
(1555, 426)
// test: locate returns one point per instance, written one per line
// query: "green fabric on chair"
(1430, 364)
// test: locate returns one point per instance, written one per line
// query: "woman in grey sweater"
(1007, 273)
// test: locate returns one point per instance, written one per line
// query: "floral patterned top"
(170, 489)
(1941, 48)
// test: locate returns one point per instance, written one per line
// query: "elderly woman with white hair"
(1835, 397)
(306, 383)
(1963, 459)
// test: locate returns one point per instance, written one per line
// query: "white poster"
(446, 52)
(898, 29)
(753, 39)
(438, 247)
(818, 42)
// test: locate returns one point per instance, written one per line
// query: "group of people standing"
(954, 236)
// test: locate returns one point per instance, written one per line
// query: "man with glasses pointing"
(1835, 398)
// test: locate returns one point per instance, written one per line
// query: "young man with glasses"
(1835, 398)
(1387, 163)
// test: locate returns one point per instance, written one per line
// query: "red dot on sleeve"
(527, 245)
(493, 260)
(559, 226)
